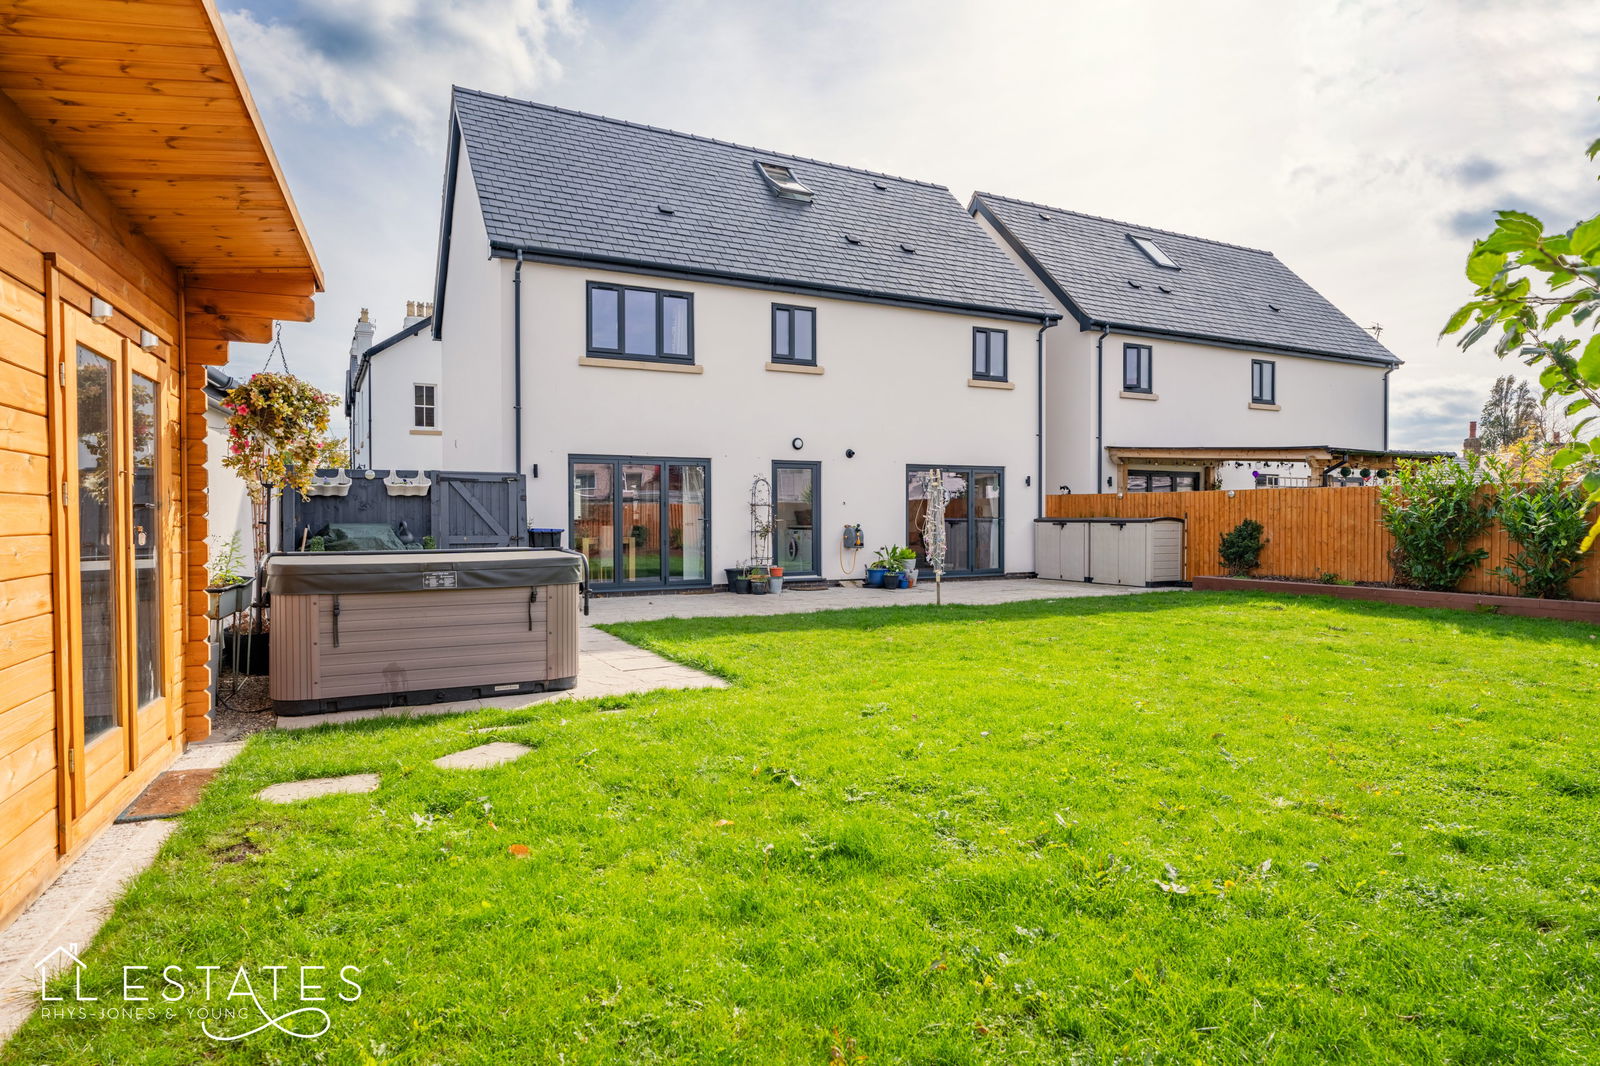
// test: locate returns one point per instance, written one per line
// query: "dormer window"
(783, 182)
(1153, 250)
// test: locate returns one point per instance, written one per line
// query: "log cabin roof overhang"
(148, 102)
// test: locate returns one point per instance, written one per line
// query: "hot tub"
(355, 630)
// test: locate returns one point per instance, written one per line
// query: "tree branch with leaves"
(1541, 292)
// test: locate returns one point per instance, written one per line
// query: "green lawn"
(1182, 828)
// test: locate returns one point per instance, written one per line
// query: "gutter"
(516, 364)
(1100, 404)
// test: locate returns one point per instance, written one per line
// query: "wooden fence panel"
(1307, 531)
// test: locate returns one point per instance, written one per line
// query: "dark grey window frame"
(816, 511)
(616, 462)
(988, 347)
(1194, 474)
(969, 471)
(619, 351)
(431, 407)
(790, 358)
(1271, 394)
(1146, 384)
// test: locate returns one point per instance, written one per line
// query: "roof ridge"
(1121, 222)
(695, 137)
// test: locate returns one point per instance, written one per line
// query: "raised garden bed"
(1567, 610)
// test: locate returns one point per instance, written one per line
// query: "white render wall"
(894, 388)
(1202, 401)
(396, 444)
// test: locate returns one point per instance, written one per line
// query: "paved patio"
(794, 601)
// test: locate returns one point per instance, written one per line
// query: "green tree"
(1509, 414)
(1541, 292)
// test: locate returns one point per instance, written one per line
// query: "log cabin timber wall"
(133, 170)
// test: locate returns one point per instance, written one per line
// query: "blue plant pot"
(874, 577)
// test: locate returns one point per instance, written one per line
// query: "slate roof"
(569, 184)
(1221, 292)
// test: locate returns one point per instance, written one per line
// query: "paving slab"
(495, 753)
(312, 787)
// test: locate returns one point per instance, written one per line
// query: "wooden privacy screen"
(1308, 531)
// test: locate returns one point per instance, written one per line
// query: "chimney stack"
(1472, 445)
(416, 311)
(362, 339)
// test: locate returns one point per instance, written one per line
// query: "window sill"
(427, 432)
(642, 364)
(980, 383)
(1138, 395)
(1264, 406)
(793, 368)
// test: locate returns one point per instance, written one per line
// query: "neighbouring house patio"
(1079, 828)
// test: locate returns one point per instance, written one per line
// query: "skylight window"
(1153, 250)
(783, 181)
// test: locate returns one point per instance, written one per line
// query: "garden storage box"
(389, 629)
(1110, 551)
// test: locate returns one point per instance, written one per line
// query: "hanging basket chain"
(276, 351)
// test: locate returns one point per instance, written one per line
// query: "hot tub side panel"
(561, 632)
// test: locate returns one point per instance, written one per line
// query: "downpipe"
(1100, 404)
(516, 364)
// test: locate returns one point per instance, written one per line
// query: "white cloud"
(384, 61)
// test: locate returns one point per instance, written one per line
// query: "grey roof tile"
(573, 184)
(1220, 291)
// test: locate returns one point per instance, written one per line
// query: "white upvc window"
(423, 406)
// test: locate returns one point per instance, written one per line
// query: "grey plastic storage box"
(1109, 551)
(354, 630)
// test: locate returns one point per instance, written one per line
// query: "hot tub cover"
(316, 573)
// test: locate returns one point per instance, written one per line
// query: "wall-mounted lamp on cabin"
(148, 341)
(100, 310)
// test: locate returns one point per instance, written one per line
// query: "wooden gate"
(479, 510)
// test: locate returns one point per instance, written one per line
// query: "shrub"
(1434, 510)
(1240, 548)
(1547, 520)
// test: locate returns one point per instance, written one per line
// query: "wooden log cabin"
(144, 224)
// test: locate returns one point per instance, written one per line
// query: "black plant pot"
(247, 653)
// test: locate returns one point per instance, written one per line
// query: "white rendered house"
(1186, 363)
(643, 322)
(392, 394)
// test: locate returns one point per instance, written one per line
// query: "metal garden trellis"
(761, 522)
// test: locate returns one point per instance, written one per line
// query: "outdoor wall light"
(1028, 480)
(371, 474)
(1108, 481)
(148, 341)
(797, 443)
(535, 469)
(100, 311)
(849, 453)
(1230, 494)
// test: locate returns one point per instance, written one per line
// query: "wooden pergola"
(1321, 460)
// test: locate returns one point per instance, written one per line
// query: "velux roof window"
(783, 181)
(1153, 250)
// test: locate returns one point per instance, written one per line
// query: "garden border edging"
(1565, 610)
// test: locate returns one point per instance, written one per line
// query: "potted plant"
(883, 564)
(227, 589)
(760, 580)
(277, 436)
(908, 565)
(775, 579)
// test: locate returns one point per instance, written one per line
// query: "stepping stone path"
(290, 791)
(483, 756)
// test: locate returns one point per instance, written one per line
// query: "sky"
(1365, 142)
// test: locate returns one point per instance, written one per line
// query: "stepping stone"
(290, 791)
(483, 756)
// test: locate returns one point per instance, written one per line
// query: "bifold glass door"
(974, 517)
(642, 522)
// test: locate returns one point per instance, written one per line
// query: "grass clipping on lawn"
(1170, 828)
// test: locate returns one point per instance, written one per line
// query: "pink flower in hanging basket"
(1255, 473)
